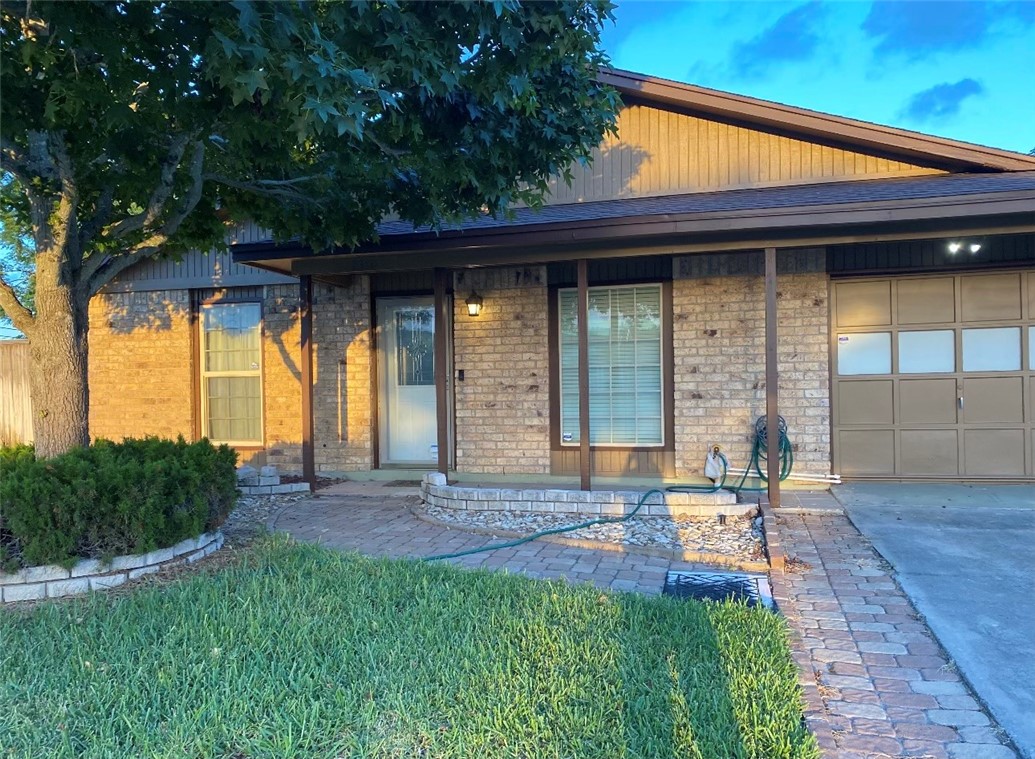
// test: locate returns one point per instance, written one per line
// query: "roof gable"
(900, 144)
(662, 152)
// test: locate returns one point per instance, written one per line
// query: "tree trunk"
(60, 393)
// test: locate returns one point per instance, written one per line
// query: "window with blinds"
(231, 375)
(625, 406)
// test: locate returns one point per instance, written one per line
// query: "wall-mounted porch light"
(474, 304)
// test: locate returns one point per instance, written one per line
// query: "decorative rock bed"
(35, 583)
(737, 540)
(435, 492)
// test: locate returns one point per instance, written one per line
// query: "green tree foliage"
(135, 129)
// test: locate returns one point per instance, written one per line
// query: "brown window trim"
(667, 378)
(224, 297)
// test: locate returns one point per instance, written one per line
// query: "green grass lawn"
(297, 651)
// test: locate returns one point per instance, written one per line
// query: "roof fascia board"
(674, 242)
(978, 204)
(916, 146)
(414, 261)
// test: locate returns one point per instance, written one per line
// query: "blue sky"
(963, 69)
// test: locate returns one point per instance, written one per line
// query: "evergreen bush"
(111, 498)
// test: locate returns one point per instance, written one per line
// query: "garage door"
(934, 376)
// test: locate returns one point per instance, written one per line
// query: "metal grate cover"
(720, 586)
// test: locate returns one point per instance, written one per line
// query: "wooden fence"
(15, 406)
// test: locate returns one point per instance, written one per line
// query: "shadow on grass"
(300, 651)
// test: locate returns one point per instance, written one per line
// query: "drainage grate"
(715, 586)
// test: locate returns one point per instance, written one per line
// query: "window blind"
(625, 406)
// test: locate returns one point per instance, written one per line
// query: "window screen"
(231, 383)
(625, 405)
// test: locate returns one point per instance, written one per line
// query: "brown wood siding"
(15, 403)
(930, 255)
(613, 271)
(196, 269)
(402, 282)
(659, 152)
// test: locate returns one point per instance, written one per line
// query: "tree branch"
(14, 162)
(100, 271)
(101, 213)
(281, 189)
(12, 306)
(64, 226)
(159, 196)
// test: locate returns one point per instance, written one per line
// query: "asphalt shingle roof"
(827, 194)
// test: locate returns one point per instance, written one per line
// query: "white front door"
(407, 418)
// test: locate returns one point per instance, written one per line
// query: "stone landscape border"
(52, 581)
(435, 491)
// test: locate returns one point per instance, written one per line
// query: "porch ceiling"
(786, 216)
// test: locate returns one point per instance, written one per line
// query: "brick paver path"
(380, 526)
(887, 687)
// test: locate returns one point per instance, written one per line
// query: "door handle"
(959, 401)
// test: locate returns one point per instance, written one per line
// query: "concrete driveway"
(964, 555)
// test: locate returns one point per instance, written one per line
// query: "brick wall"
(502, 406)
(142, 369)
(141, 365)
(281, 378)
(719, 347)
(342, 391)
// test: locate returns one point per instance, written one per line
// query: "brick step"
(595, 502)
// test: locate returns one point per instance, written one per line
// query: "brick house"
(902, 273)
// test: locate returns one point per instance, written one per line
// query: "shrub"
(112, 498)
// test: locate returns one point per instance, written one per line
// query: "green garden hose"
(759, 451)
(554, 531)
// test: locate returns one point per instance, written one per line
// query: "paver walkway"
(887, 687)
(381, 526)
(878, 682)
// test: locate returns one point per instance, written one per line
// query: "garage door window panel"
(996, 349)
(927, 352)
(864, 353)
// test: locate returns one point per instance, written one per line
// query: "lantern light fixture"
(474, 304)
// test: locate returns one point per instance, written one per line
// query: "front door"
(407, 416)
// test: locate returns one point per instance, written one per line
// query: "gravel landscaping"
(739, 537)
(248, 519)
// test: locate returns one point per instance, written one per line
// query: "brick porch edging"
(814, 712)
(52, 581)
(693, 557)
(435, 491)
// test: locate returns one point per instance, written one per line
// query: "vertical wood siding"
(658, 152)
(196, 269)
(15, 405)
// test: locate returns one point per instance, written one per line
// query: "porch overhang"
(786, 217)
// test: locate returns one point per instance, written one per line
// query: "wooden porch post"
(441, 369)
(771, 381)
(583, 329)
(305, 300)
